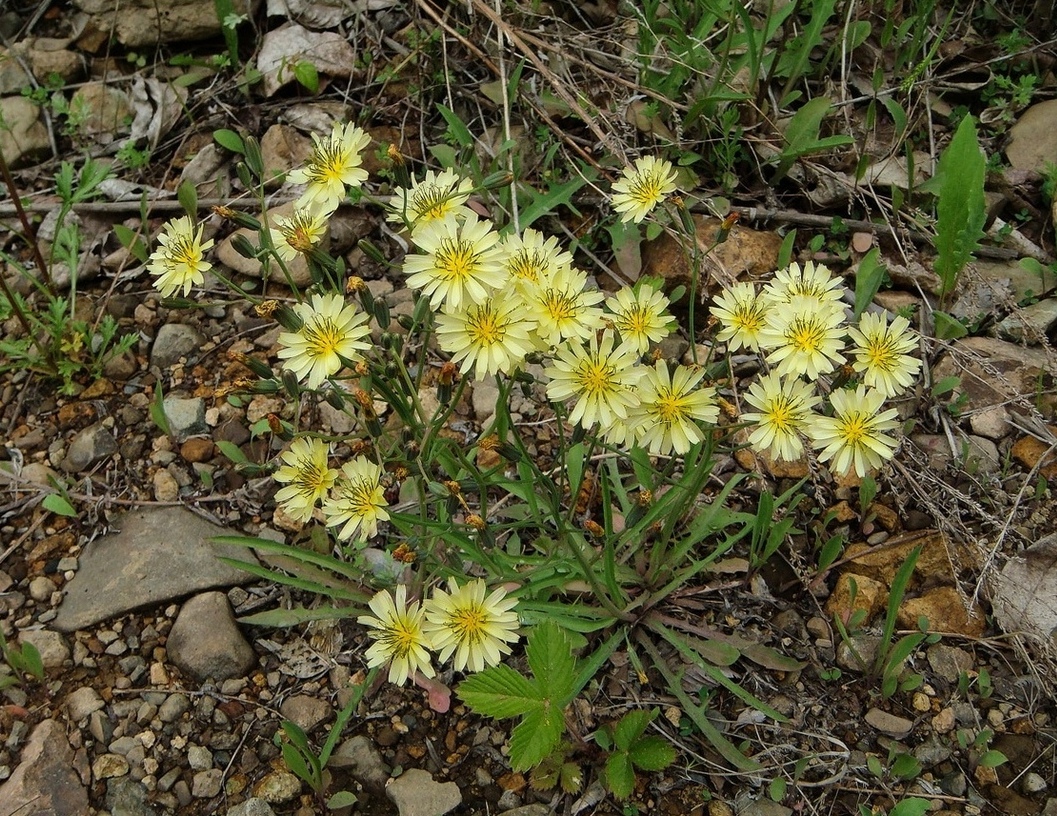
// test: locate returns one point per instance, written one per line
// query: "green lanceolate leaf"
(960, 210)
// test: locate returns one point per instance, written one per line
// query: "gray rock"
(530, 810)
(1025, 598)
(82, 702)
(305, 711)
(205, 641)
(174, 707)
(207, 784)
(1030, 324)
(298, 267)
(949, 661)
(160, 554)
(932, 752)
(54, 651)
(252, 807)
(361, 756)
(40, 588)
(508, 801)
(24, 138)
(282, 149)
(127, 797)
(764, 807)
(278, 787)
(173, 341)
(287, 45)
(991, 423)
(415, 793)
(137, 23)
(88, 448)
(186, 416)
(199, 758)
(485, 395)
(995, 372)
(107, 766)
(1033, 139)
(45, 782)
(107, 111)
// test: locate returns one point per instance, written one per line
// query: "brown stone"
(1028, 450)
(870, 596)
(934, 561)
(746, 254)
(197, 449)
(946, 612)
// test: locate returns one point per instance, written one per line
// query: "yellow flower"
(811, 281)
(333, 166)
(563, 307)
(600, 377)
(532, 259)
(882, 353)
(398, 636)
(639, 315)
(178, 263)
(804, 337)
(783, 412)
(331, 331)
(433, 198)
(743, 314)
(462, 260)
(643, 187)
(476, 629)
(307, 477)
(298, 233)
(855, 436)
(489, 337)
(669, 405)
(357, 500)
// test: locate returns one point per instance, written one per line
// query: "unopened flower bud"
(335, 399)
(497, 181)
(372, 252)
(242, 245)
(242, 219)
(290, 383)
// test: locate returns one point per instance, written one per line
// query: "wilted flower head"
(643, 187)
(178, 262)
(299, 233)
(475, 628)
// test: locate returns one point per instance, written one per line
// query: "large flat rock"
(45, 782)
(161, 553)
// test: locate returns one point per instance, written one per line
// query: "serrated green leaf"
(550, 656)
(535, 737)
(620, 776)
(652, 753)
(631, 727)
(501, 692)
(572, 777)
(54, 503)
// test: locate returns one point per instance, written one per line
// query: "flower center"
(430, 202)
(748, 317)
(322, 337)
(646, 188)
(484, 326)
(360, 496)
(527, 264)
(854, 429)
(806, 335)
(559, 305)
(401, 637)
(670, 407)
(635, 320)
(781, 415)
(329, 161)
(468, 623)
(881, 352)
(455, 260)
(185, 252)
(596, 377)
(312, 478)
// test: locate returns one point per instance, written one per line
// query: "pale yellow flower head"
(533, 259)
(563, 307)
(331, 330)
(856, 436)
(882, 353)
(743, 315)
(299, 233)
(811, 281)
(178, 263)
(670, 405)
(783, 412)
(640, 316)
(307, 477)
(435, 197)
(399, 639)
(357, 501)
(643, 187)
(333, 166)
(600, 377)
(462, 261)
(489, 337)
(476, 629)
(804, 337)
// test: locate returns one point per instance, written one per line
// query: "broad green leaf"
(307, 74)
(32, 663)
(620, 776)
(188, 197)
(652, 753)
(232, 452)
(342, 799)
(993, 758)
(947, 327)
(229, 140)
(960, 210)
(946, 385)
(500, 692)
(912, 806)
(458, 129)
(131, 240)
(54, 503)
(868, 279)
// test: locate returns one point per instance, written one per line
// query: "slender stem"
(16, 305)
(29, 233)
